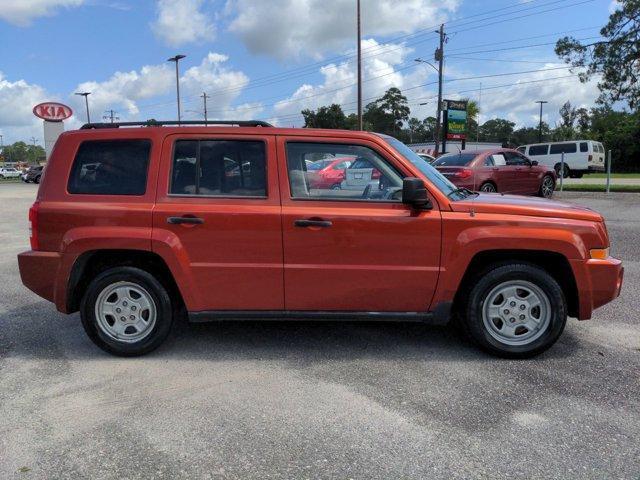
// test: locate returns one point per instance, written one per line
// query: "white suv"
(9, 172)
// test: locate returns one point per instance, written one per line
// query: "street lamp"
(86, 101)
(439, 109)
(176, 59)
(541, 102)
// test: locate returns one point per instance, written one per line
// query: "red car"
(329, 173)
(497, 170)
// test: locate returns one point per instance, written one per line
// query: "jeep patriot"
(137, 223)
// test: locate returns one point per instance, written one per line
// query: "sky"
(269, 60)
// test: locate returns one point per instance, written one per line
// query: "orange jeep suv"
(136, 223)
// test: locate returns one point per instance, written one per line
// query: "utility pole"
(541, 102)
(34, 140)
(110, 115)
(86, 102)
(204, 97)
(360, 123)
(177, 59)
(440, 58)
(478, 120)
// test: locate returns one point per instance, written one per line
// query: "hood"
(519, 205)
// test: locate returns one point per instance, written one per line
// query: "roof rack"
(160, 123)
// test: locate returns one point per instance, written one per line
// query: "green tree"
(497, 130)
(394, 103)
(616, 59)
(325, 117)
(376, 119)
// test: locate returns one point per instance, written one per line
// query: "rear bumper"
(39, 272)
(599, 282)
(596, 168)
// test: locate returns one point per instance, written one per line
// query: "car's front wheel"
(547, 187)
(126, 311)
(515, 310)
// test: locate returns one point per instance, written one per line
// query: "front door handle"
(313, 223)
(185, 220)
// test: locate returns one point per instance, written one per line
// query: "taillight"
(464, 173)
(33, 226)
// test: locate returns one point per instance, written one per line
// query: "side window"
(563, 148)
(488, 162)
(110, 167)
(514, 159)
(219, 168)
(368, 177)
(584, 147)
(521, 149)
(538, 150)
(499, 159)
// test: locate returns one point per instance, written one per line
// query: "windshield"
(434, 176)
(454, 160)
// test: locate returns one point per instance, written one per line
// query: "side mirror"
(534, 163)
(415, 194)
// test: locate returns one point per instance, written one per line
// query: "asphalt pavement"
(314, 400)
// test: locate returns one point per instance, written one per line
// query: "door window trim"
(197, 179)
(288, 140)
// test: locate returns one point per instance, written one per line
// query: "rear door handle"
(313, 223)
(185, 220)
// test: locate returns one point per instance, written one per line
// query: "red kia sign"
(52, 111)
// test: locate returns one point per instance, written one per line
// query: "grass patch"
(613, 175)
(599, 188)
(10, 180)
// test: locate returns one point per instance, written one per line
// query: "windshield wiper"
(465, 191)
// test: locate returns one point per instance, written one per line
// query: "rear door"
(217, 216)
(357, 249)
(503, 173)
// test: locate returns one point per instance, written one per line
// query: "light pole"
(176, 59)
(541, 102)
(86, 102)
(436, 146)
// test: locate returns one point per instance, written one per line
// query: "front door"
(217, 217)
(355, 249)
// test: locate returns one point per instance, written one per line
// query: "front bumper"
(599, 282)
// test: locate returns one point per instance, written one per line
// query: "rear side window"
(563, 148)
(110, 167)
(584, 147)
(219, 168)
(538, 149)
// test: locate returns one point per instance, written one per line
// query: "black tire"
(336, 186)
(36, 180)
(488, 187)
(161, 301)
(544, 192)
(567, 170)
(473, 304)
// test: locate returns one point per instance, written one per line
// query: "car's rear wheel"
(126, 311)
(336, 186)
(488, 187)
(547, 187)
(515, 310)
(36, 180)
(566, 172)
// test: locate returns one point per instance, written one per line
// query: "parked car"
(9, 172)
(497, 170)
(427, 157)
(132, 226)
(33, 174)
(328, 173)
(580, 156)
(360, 174)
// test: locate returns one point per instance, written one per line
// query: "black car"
(33, 174)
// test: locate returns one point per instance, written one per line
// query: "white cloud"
(516, 102)
(180, 22)
(391, 66)
(17, 100)
(300, 28)
(23, 12)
